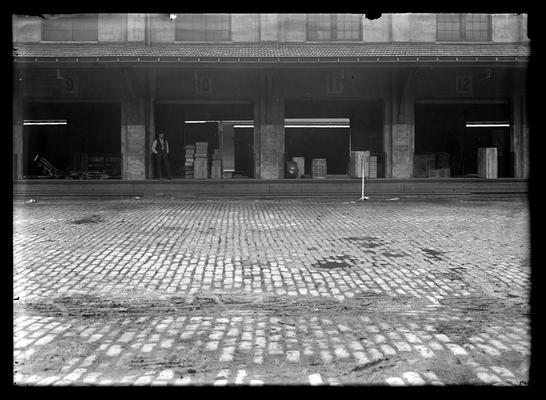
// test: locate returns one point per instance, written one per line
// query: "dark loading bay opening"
(364, 134)
(185, 124)
(333, 144)
(244, 152)
(441, 132)
(89, 141)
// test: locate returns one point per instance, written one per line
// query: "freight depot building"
(92, 91)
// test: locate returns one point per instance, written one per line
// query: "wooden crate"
(423, 164)
(372, 169)
(356, 161)
(487, 162)
(201, 168)
(440, 173)
(216, 169)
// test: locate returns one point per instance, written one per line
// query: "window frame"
(463, 34)
(203, 30)
(71, 40)
(333, 29)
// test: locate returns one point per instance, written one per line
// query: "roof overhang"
(273, 54)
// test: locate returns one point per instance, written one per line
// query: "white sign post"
(362, 198)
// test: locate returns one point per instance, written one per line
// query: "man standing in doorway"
(160, 148)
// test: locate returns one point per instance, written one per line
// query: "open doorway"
(447, 136)
(332, 129)
(185, 124)
(81, 138)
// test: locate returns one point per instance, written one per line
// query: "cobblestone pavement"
(254, 292)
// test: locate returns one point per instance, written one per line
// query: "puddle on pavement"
(434, 254)
(92, 219)
(335, 262)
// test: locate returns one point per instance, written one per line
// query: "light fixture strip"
(31, 122)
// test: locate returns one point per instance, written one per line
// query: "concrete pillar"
(133, 127)
(525, 139)
(17, 128)
(387, 136)
(269, 128)
(402, 124)
(519, 130)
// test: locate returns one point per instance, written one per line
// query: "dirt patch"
(393, 255)
(368, 242)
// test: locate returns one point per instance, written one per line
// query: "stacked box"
(442, 160)
(188, 163)
(200, 168)
(216, 169)
(372, 167)
(201, 149)
(217, 154)
(440, 173)
(201, 163)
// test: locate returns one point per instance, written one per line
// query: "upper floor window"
(463, 27)
(81, 27)
(203, 27)
(326, 27)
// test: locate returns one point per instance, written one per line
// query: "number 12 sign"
(463, 85)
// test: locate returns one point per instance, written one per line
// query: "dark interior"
(441, 128)
(170, 119)
(90, 139)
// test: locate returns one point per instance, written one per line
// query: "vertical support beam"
(269, 128)
(227, 144)
(519, 131)
(525, 138)
(17, 127)
(387, 134)
(150, 119)
(402, 125)
(133, 127)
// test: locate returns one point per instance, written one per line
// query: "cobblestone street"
(255, 292)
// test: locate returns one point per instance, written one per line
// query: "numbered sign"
(70, 84)
(463, 85)
(203, 84)
(334, 84)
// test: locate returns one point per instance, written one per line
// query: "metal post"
(362, 198)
